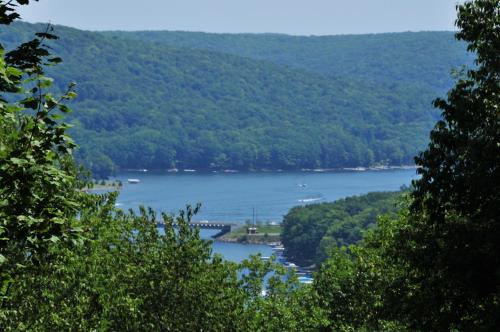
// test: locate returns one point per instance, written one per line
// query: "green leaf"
(45, 82)
(50, 101)
(54, 239)
(11, 71)
(55, 60)
(46, 35)
(64, 108)
(30, 102)
(71, 95)
(17, 161)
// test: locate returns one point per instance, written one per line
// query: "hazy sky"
(299, 17)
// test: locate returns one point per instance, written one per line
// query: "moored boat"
(305, 280)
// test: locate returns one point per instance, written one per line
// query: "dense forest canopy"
(389, 58)
(310, 231)
(150, 104)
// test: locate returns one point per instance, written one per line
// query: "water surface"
(234, 197)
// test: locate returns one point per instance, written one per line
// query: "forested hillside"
(416, 58)
(146, 104)
(310, 231)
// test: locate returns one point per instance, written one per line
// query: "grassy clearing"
(265, 234)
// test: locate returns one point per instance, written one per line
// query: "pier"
(222, 226)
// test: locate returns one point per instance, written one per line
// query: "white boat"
(305, 280)
(133, 181)
(172, 170)
(278, 248)
(187, 170)
(310, 200)
(379, 168)
(355, 169)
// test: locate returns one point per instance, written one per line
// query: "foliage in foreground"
(454, 219)
(130, 275)
(436, 267)
(39, 183)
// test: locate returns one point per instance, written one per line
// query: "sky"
(295, 17)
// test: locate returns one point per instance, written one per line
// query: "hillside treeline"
(148, 103)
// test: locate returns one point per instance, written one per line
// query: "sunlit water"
(234, 197)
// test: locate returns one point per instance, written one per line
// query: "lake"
(234, 197)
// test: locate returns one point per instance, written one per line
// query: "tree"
(132, 276)
(39, 186)
(310, 231)
(450, 240)
(437, 267)
(129, 276)
(286, 305)
(8, 13)
(351, 286)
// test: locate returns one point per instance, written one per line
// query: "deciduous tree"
(451, 239)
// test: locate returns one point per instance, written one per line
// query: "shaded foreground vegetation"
(71, 261)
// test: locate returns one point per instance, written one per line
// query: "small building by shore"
(252, 230)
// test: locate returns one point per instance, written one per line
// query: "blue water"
(232, 197)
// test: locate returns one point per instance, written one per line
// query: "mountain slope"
(388, 58)
(146, 104)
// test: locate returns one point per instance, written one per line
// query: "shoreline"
(301, 170)
(107, 185)
(252, 240)
(266, 234)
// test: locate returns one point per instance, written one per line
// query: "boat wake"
(310, 199)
